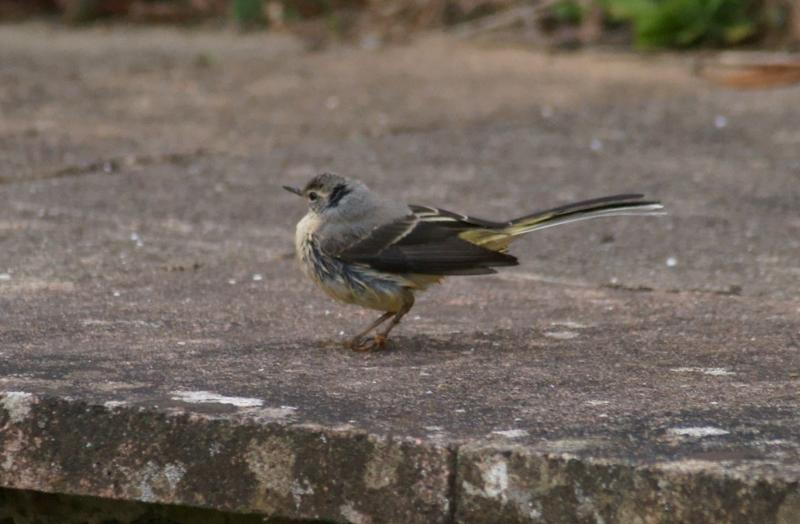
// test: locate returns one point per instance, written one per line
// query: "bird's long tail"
(627, 204)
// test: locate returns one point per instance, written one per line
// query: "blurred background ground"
(644, 25)
(560, 23)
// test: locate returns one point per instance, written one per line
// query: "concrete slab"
(159, 344)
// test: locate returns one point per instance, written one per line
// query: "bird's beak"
(294, 190)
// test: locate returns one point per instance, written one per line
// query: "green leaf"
(738, 33)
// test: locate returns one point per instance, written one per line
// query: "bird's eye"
(313, 196)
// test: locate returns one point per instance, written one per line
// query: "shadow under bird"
(377, 253)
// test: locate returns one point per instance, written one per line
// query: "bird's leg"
(357, 343)
(381, 337)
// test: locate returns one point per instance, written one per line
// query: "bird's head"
(328, 193)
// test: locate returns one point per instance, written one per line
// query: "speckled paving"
(158, 342)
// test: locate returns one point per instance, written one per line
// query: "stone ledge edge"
(306, 471)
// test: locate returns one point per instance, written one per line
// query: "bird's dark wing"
(427, 242)
(450, 219)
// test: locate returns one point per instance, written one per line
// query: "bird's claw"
(367, 343)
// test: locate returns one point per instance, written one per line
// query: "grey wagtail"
(362, 249)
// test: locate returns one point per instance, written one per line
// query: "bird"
(378, 253)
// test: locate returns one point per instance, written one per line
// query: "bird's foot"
(364, 344)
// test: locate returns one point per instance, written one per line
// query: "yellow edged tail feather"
(498, 239)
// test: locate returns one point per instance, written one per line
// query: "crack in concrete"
(452, 484)
(731, 291)
(110, 165)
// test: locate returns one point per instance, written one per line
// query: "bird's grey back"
(355, 215)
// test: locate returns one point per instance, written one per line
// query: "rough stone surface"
(517, 484)
(147, 455)
(36, 507)
(158, 344)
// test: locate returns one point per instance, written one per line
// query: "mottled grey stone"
(158, 344)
